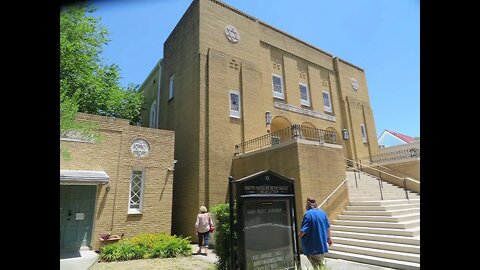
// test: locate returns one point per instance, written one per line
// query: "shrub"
(222, 235)
(145, 246)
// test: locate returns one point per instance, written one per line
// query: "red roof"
(402, 137)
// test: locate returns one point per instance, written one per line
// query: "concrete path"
(77, 260)
(332, 264)
(83, 259)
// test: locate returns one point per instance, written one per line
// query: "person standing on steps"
(202, 225)
(315, 233)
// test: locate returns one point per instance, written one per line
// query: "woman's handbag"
(212, 228)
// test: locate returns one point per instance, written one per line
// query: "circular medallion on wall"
(232, 33)
(140, 148)
(354, 84)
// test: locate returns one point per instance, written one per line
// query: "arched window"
(331, 135)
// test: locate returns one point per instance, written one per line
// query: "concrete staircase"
(378, 232)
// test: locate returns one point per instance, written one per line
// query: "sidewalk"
(82, 260)
(332, 264)
(211, 257)
(77, 260)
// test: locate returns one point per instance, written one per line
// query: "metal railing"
(393, 171)
(404, 154)
(284, 135)
(359, 168)
(333, 192)
(380, 184)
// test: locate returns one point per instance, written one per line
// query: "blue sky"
(380, 36)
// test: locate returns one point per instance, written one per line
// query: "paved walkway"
(77, 260)
(83, 259)
(332, 264)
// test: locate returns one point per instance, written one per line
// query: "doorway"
(77, 206)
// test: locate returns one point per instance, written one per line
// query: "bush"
(145, 246)
(222, 235)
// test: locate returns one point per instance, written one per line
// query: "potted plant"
(108, 237)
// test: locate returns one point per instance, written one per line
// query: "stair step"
(377, 244)
(401, 218)
(378, 224)
(377, 191)
(383, 208)
(396, 264)
(359, 198)
(401, 195)
(382, 213)
(385, 202)
(378, 237)
(373, 186)
(386, 196)
(402, 232)
(388, 254)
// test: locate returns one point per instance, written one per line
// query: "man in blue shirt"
(315, 233)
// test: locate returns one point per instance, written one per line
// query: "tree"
(84, 79)
(86, 84)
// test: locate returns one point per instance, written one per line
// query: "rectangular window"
(136, 192)
(171, 86)
(364, 133)
(277, 86)
(235, 105)
(304, 99)
(327, 102)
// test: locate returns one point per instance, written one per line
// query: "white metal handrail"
(406, 178)
(333, 192)
(390, 169)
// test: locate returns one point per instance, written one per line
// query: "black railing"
(284, 135)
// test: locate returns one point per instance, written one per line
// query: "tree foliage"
(222, 235)
(85, 82)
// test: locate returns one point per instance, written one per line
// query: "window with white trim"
(135, 201)
(235, 105)
(171, 87)
(304, 95)
(153, 114)
(327, 101)
(364, 133)
(277, 84)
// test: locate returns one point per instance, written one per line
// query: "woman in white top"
(203, 228)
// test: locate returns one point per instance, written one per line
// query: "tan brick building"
(122, 184)
(227, 78)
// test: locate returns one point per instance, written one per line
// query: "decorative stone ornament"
(140, 148)
(354, 84)
(232, 33)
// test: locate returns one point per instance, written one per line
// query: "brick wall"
(112, 154)
(316, 170)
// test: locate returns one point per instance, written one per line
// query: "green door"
(77, 205)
